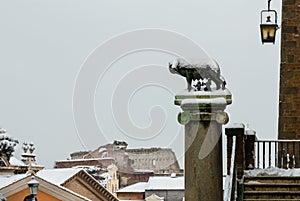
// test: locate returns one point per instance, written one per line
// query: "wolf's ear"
(170, 65)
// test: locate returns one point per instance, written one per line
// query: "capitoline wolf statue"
(202, 72)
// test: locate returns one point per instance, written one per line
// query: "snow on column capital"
(203, 106)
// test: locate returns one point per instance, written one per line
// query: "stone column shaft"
(203, 177)
(203, 118)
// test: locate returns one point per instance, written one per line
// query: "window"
(154, 162)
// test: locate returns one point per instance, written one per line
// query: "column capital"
(203, 106)
(220, 116)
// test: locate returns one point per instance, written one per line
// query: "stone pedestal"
(203, 116)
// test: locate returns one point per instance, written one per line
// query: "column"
(203, 116)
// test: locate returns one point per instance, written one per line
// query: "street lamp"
(268, 28)
(33, 187)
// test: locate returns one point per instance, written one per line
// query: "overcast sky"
(45, 45)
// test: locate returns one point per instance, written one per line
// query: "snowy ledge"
(214, 92)
(200, 95)
(273, 171)
(236, 125)
(212, 101)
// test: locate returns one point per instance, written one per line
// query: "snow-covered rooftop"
(86, 159)
(55, 176)
(155, 183)
(58, 176)
(142, 171)
(6, 180)
(134, 188)
(165, 183)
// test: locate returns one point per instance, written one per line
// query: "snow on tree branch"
(7, 145)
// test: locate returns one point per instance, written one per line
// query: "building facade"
(289, 99)
(159, 160)
(134, 165)
(56, 185)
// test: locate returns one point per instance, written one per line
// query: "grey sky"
(44, 44)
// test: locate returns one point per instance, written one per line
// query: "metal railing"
(245, 152)
(277, 153)
(230, 186)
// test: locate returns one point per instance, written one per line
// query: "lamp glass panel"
(33, 189)
(268, 32)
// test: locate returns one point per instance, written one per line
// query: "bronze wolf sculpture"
(204, 74)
